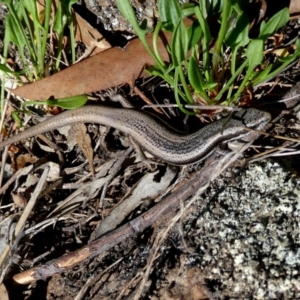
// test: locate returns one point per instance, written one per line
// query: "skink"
(154, 137)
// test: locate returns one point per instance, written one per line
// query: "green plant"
(30, 28)
(243, 66)
(66, 103)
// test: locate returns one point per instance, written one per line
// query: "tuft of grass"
(32, 28)
(228, 60)
(29, 26)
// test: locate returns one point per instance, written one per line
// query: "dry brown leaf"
(84, 32)
(90, 36)
(104, 70)
(294, 9)
(282, 52)
(23, 160)
(83, 140)
(19, 199)
(107, 69)
(3, 292)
